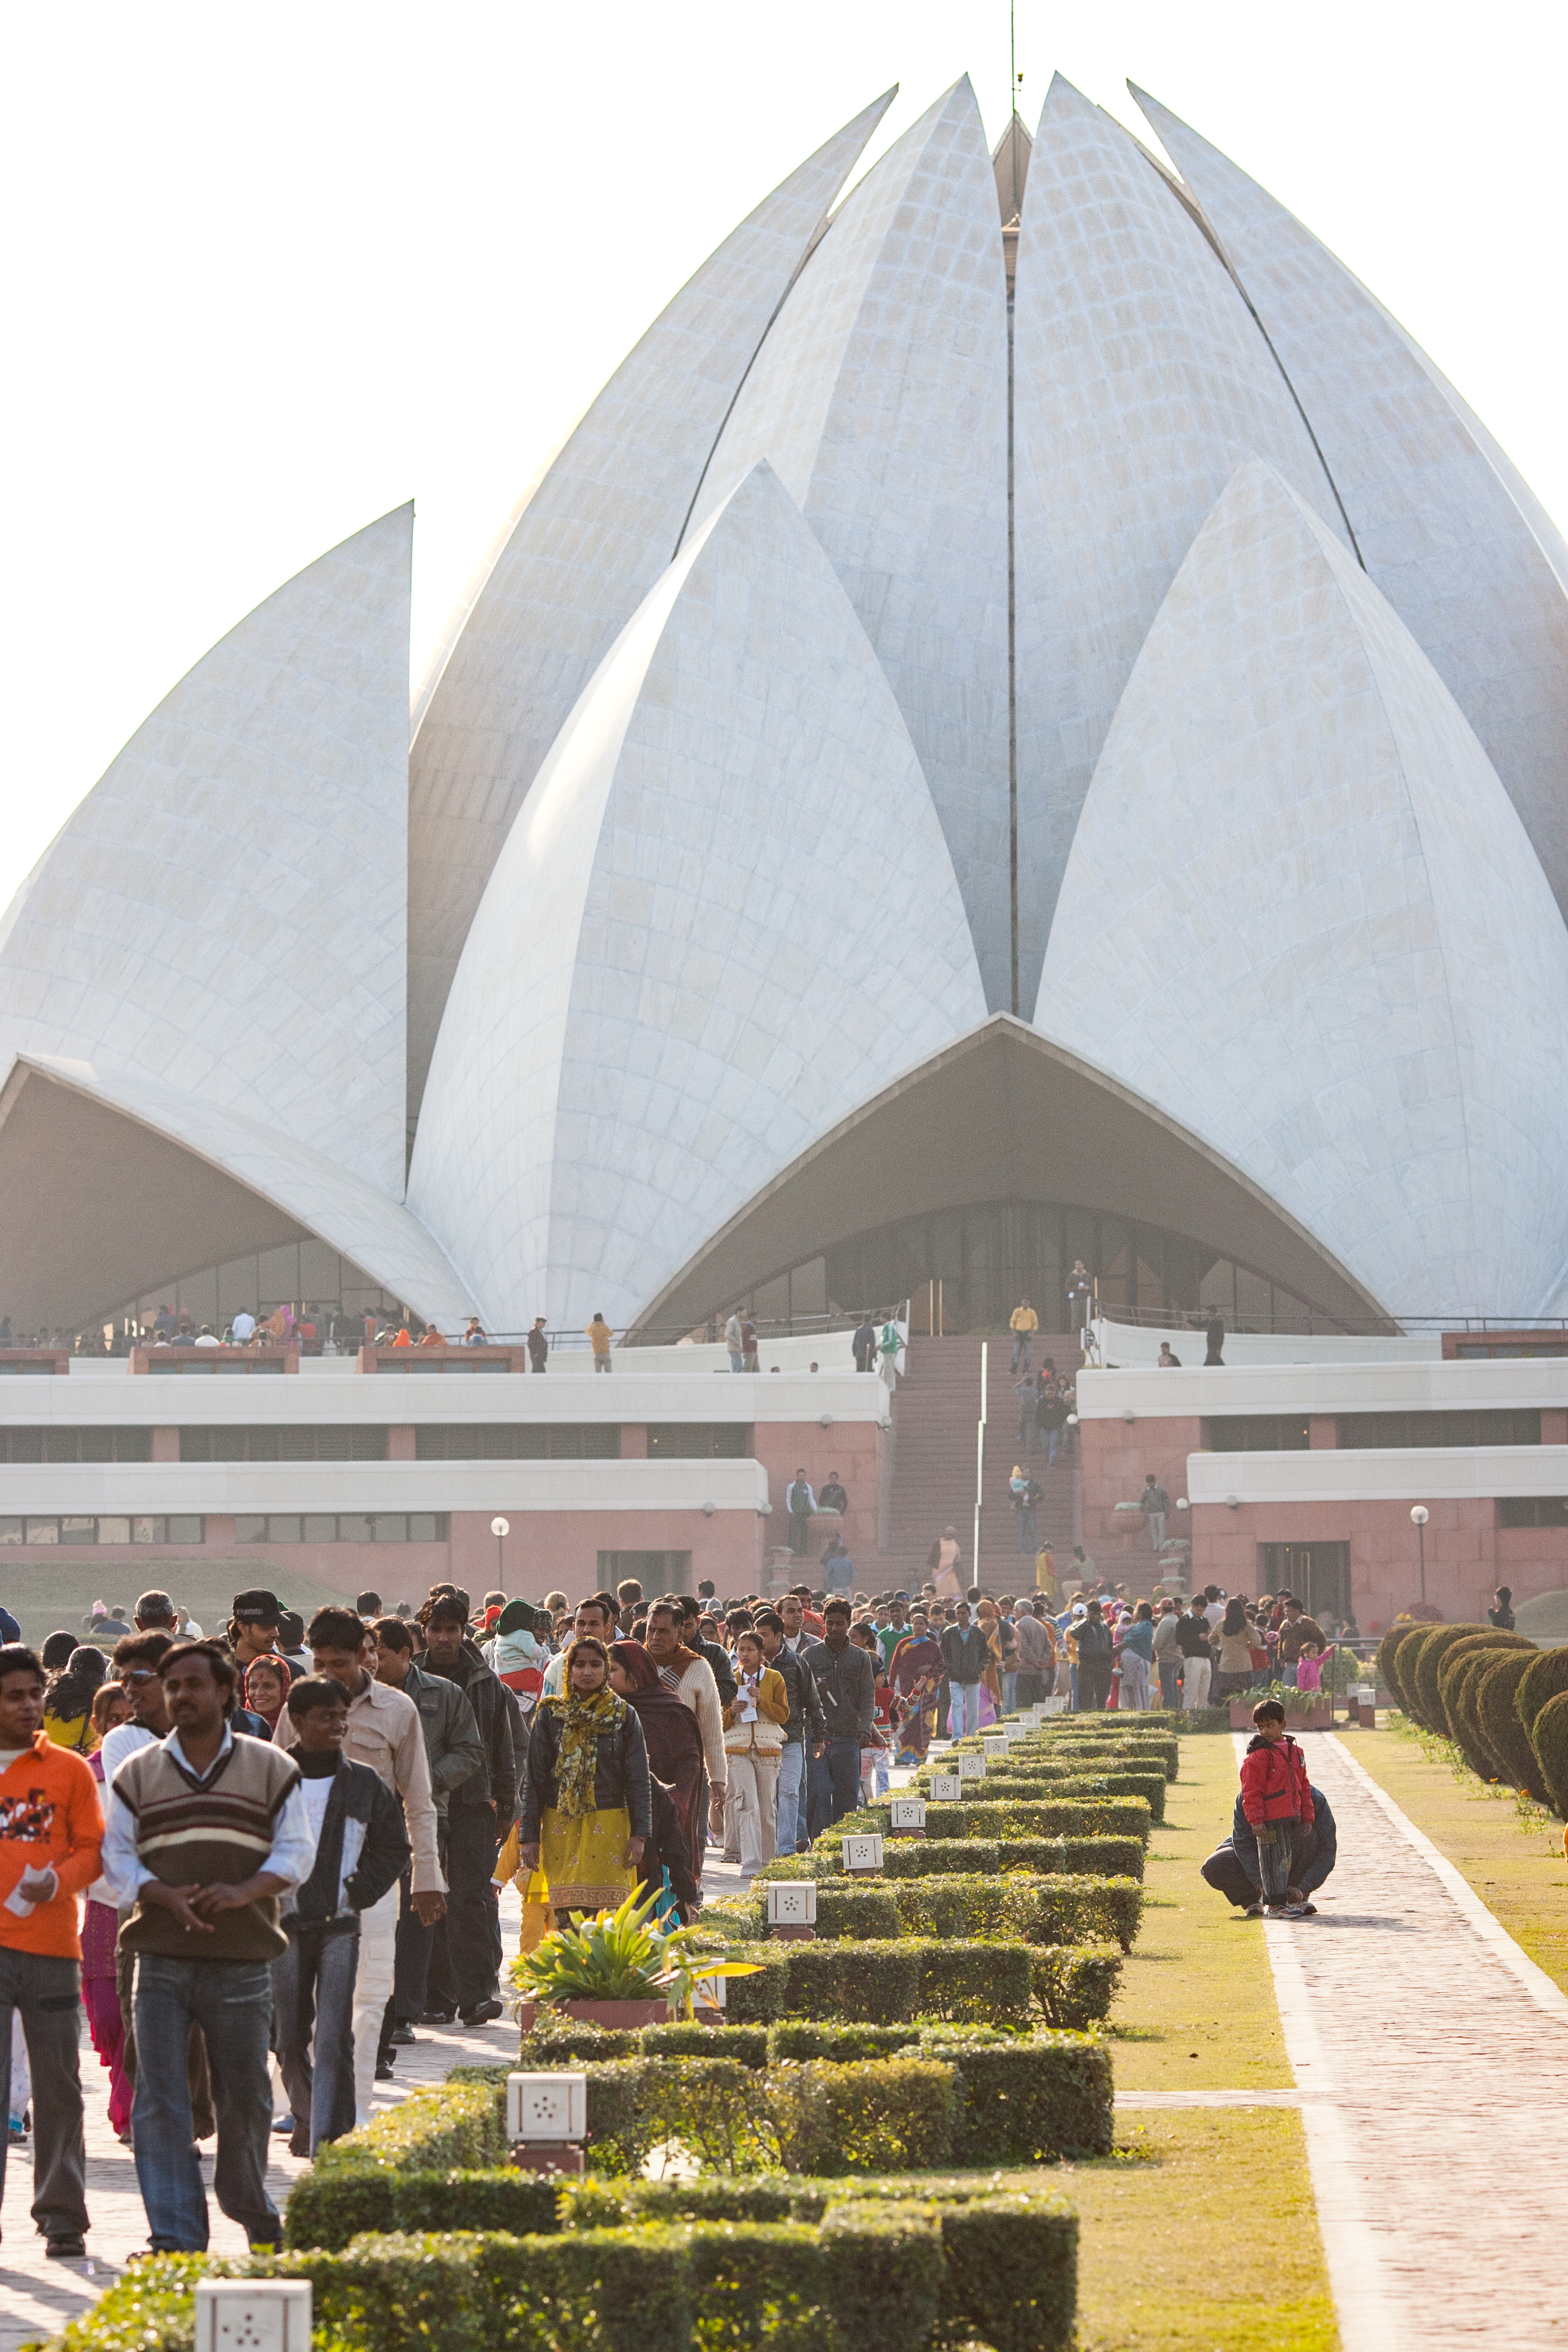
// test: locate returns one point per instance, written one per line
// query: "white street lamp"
(1420, 1514)
(500, 1529)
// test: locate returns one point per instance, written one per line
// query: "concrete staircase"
(936, 1413)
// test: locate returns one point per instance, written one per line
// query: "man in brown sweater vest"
(206, 1829)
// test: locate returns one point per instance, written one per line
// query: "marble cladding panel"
(1141, 383)
(881, 400)
(1301, 915)
(588, 543)
(225, 912)
(1455, 541)
(729, 919)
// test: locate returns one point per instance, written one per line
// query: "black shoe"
(401, 2035)
(485, 2014)
(384, 2070)
(65, 2249)
(437, 2016)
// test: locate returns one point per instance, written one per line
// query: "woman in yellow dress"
(585, 1813)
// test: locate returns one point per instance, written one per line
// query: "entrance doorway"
(1318, 1574)
(656, 1572)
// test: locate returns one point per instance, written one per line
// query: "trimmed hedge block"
(747, 2045)
(1496, 1688)
(1549, 1738)
(870, 2115)
(801, 2038)
(1037, 1816)
(1075, 1984)
(889, 1983)
(1024, 2103)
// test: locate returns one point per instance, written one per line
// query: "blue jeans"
(1169, 1695)
(1053, 1443)
(833, 1784)
(313, 1993)
(789, 1831)
(1009, 1692)
(1021, 1341)
(966, 1710)
(231, 2000)
(736, 1360)
(1029, 1533)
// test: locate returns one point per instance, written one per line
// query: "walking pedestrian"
(945, 1560)
(1277, 1798)
(837, 1569)
(454, 1753)
(361, 1850)
(1135, 1643)
(688, 1673)
(586, 1812)
(674, 1742)
(100, 1939)
(207, 1829)
(1198, 1658)
(384, 1733)
(1154, 1504)
(1093, 1686)
(916, 1670)
(1167, 1656)
(1052, 1418)
(1022, 1323)
(50, 1833)
(846, 1687)
(466, 1950)
(755, 1725)
(1027, 1392)
(965, 1653)
(1036, 1637)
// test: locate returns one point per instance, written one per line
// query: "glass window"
(43, 1531)
(391, 1526)
(78, 1531)
(427, 1526)
(318, 1527)
(284, 1530)
(296, 1446)
(99, 1444)
(250, 1527)
(146, 1530)
(27, 1445)
(114, 1531)
(354, 1528)
(186, 1529)
(60, 1444)
(11, 1531)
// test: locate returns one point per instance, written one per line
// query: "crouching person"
(1233, 1871)
(361, 1849)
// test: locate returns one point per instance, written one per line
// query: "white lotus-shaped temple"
(1026, 721)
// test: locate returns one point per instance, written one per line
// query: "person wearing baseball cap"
(252, 1630)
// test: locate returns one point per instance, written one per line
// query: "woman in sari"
(990, 1624)
(915, 1670)
(585, 1814)
(674, 1738)
(68, 1704)
(100, 1937)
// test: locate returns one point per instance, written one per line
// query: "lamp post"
(500, 1529)
(1420, 1514)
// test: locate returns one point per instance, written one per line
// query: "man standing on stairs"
(1022, 1323)
(800, 1502)
(1154, 1504)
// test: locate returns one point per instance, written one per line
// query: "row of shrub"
(968, 2099)
(1088, 1748)
(975, 1897)
(658, 2268)
(1503, 1702)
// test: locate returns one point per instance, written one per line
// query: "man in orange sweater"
(50, 1832)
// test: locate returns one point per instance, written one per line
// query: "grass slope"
(1196, 2009)
(43, 1591)
(1511, 1853)
(1208, 2244)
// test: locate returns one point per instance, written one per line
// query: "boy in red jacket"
(1277, 1798)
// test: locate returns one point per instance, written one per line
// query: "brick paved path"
(1432, 2058)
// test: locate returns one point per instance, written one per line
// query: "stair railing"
(980, 1456)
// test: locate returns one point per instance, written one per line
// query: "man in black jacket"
(847, 1687)
(965, 1652)
(806, 1728)
(455, 1752)
(466, 1952)
(1234, 1867)
(1093, 1638)
(718, 1657)
(361, 1849)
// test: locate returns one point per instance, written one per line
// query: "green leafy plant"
(620, 1955)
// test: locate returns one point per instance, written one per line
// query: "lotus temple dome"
(1026, 721)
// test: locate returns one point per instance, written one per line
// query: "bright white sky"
(272, 271)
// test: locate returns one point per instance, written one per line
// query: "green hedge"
(1037, 1816)
(801, 2038)
(1546, 1675)
(1549, 1738)
(1497, 1687)
(889, 1983)
(1075, 1984)
(1088, 1857)
(1422, 1682)
(1050, 1781)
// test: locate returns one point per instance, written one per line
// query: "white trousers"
(1195, 1673)
(372, 1989)
(1134, 1679)
(751, 1801)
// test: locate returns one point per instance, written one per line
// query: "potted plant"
(617, 1969)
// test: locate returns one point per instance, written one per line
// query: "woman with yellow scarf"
(585, 1813)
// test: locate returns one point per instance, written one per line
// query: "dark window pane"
(354, 1528)
(318, 1527)
(261, 1446)
(186, 1529)
(133, 1445)
(391, 1526)
(27, 1445)
(60, 1444)
(285, 1530)
(432, 1444)
(196, 1444)
(98, 1444)
(367, 1444)
(425, 1527)
(78, 1531)
(250, 1527)
(296, 1445)
(12, 1531)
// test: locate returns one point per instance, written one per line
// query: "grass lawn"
(1209, 2244)
(1196, 2009)
(1511, 1855)
(43, 1591)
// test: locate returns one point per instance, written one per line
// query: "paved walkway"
(1432, 2059)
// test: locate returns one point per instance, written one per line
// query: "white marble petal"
(1455, 541)
(331, 1201)
(725, 916)
(224, 913)
(1301, 915)
(1141, 383)
(587, 544)
(880, 401)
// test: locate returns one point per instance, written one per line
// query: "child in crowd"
(1309, 1667)
(1277, 1798)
